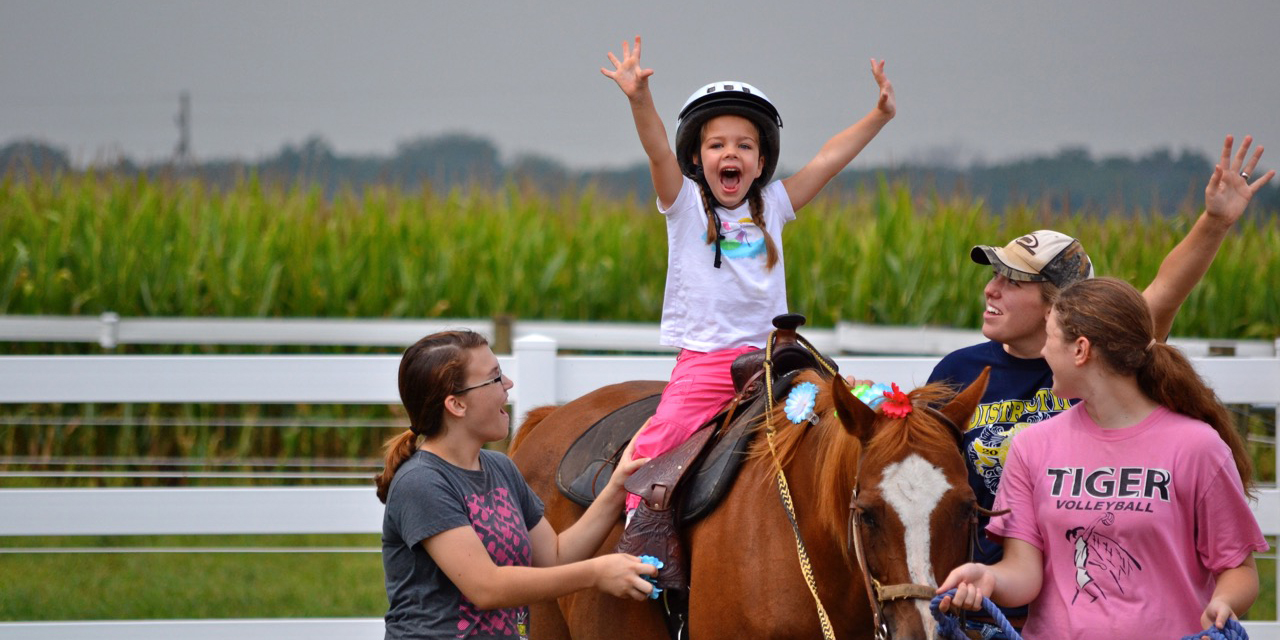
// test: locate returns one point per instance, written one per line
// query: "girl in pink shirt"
(1128, 514)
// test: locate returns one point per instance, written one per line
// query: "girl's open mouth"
(730, 179)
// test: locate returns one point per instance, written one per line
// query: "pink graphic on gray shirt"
(498, 523)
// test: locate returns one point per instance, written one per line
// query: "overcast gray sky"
(992, 79)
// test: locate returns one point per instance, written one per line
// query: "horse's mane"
(531, 420)
(836, 452)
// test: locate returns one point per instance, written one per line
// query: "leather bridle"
(877, 593)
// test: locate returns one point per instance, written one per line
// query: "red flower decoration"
(896, 403)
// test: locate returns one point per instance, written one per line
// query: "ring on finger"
(1245, 176)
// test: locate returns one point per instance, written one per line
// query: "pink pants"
(700, 387)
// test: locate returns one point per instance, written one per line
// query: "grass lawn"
(260, 583)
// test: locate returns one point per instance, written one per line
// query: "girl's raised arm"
(1225, 199)
(842, 148)
(634, 82)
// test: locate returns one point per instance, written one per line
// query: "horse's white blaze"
(913, 488)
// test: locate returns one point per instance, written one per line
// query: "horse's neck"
(803, 481)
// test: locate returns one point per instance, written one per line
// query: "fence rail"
(109, 331)
(542, 377)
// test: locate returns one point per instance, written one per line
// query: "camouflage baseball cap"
(1038, 256)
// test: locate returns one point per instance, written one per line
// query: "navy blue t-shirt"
(1019, 393)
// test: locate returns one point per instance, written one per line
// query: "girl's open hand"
(887, 104)
(631, 78)
(1229, 190)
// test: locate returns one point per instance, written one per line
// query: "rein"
(949, 627)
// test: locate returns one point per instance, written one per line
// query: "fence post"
(109, 334)
(503, 331)
(535, 376)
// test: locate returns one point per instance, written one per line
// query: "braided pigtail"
(756, 202)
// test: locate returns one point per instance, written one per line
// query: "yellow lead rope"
(785, 492)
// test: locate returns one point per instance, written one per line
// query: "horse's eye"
(868, 518)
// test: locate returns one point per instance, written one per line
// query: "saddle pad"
(590, 460)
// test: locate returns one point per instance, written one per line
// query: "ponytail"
(1167, 377)
(1116, 320)
(397, 449)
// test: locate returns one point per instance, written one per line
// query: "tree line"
(1070, 180)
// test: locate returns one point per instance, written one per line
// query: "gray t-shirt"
(429, 496)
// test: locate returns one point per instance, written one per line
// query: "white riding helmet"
(727, 98)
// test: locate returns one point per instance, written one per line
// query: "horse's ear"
(961, 407)
(858, 419)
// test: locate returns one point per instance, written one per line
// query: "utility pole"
(182, 154)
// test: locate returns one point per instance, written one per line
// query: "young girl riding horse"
(725, 274)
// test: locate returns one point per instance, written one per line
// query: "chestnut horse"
(913, 504)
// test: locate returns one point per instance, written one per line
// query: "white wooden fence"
(109, 330)
(542, 377)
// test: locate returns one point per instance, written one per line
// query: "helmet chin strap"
(714, 213)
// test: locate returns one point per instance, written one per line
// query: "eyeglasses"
(496, 380)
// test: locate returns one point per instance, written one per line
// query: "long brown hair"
(1116, 320)
(430, 371)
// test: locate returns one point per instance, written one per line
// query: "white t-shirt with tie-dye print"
(705, 308)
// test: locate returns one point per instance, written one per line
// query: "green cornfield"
(86, 244)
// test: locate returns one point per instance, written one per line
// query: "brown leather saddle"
(702, 468)
(587, 465)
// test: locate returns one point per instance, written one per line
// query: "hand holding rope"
(1232, 630)
(949, 624)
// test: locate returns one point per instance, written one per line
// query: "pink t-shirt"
(1133, 523)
